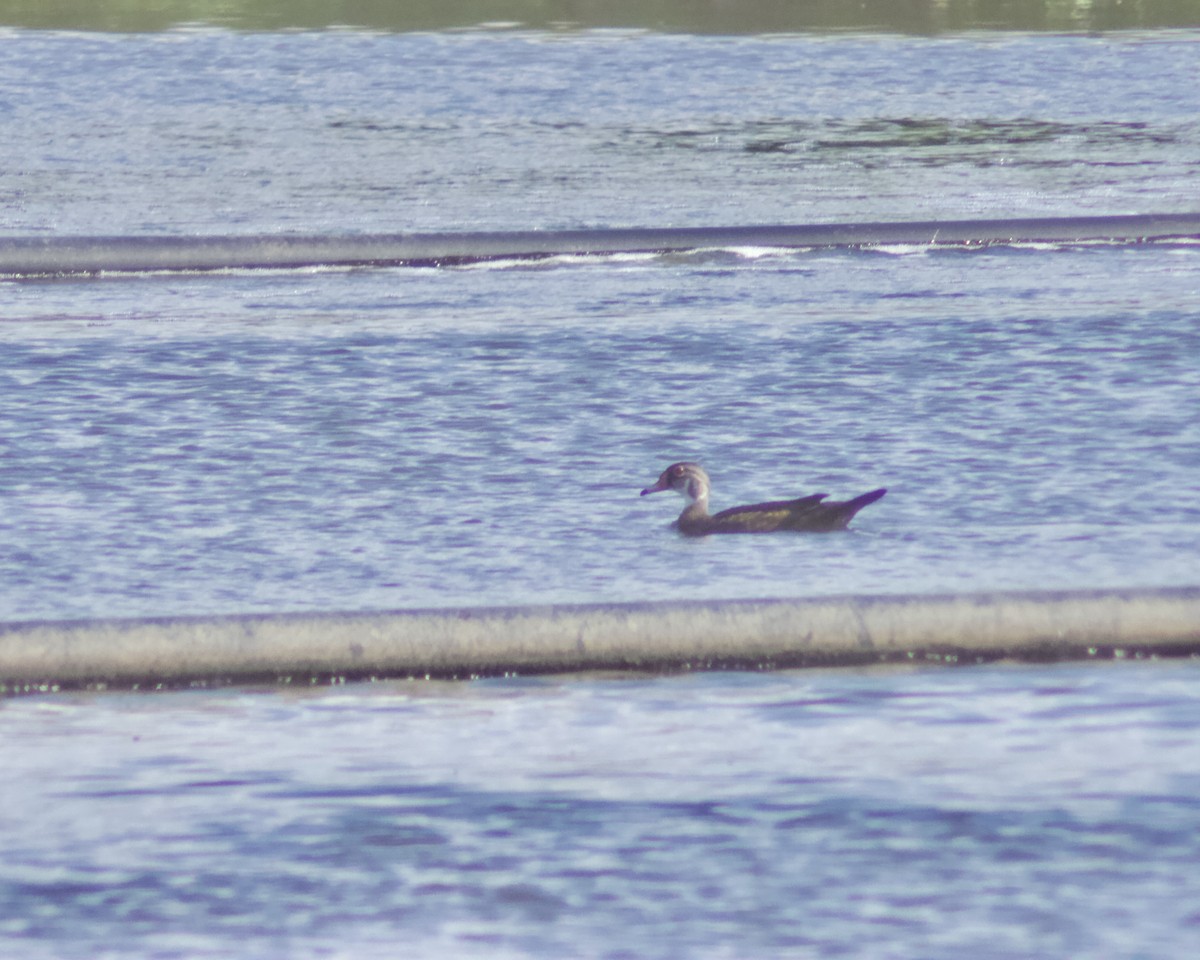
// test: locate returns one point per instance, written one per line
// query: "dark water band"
(459, 643)
(34, 256)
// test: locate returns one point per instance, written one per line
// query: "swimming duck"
(805, 513)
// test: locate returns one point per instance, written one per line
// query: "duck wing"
(799, 505)
(811, 514)
(762, 517)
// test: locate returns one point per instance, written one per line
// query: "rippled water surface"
(398, 438)
(364, 439)
(990, 812)
(207, 131)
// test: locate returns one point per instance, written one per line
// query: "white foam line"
(38, 256)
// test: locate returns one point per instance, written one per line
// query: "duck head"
(687, 479)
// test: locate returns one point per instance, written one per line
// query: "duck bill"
(657, 488)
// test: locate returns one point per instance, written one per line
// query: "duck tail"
(847, 510)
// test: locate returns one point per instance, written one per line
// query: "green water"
(712, 16)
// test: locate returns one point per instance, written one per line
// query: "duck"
(811, 514)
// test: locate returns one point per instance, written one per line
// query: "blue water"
(381, 439)
(208, 131)
(365, 439)
(987, 812)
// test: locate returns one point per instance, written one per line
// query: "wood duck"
(804, 514)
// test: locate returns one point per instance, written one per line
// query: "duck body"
(811, 514)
